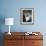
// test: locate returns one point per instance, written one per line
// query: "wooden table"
(20, 39)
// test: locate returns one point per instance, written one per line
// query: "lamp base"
(9, 33)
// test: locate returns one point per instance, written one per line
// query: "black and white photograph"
(27, 15)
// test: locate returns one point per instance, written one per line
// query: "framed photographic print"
(27, 15)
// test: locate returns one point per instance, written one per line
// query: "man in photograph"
(27, 16)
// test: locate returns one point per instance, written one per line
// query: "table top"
(22, 35)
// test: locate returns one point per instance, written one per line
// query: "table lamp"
(9, 21)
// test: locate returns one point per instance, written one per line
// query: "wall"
(11, 8)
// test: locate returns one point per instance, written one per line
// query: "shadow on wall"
(1, 39)
(2, 21)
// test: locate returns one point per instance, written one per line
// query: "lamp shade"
(9, 21)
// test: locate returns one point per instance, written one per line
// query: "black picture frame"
(27, 15)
